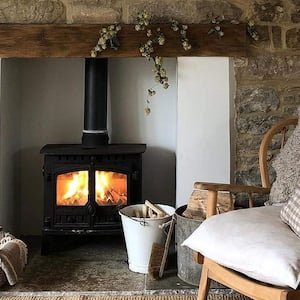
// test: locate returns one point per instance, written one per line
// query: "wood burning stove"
(86, 184)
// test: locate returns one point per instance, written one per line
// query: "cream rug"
(135, 297)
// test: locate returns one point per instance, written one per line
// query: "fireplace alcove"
(33, 211)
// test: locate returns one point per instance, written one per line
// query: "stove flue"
(95, 103)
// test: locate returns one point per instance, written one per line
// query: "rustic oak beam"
(77, 41)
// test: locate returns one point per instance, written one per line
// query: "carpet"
(126, 297)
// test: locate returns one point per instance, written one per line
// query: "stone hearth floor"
(95, 265)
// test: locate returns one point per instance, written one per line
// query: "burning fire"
(72, 188)
(111, 188)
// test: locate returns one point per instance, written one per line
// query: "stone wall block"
(295, 15)
(240, 62)
(291, 95)
(276, 37)
(275, 146)
(256, 99)
(256, 124)
(248, 143)
(32, 11)
(264, 41)
(242, 201)
(94, 11)
(269, 11)
(293, 38)
(249, 177)
(290, 110)
(184, 11)
(265, 67)
(243, 162)
(296, 2)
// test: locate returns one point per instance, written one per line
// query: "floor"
(95, 265)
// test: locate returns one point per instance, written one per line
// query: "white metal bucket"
(141, 233)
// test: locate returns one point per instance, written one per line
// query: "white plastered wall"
(203, 123)
(130, 80)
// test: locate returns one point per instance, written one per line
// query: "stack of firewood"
(197, 204)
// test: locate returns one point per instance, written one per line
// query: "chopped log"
(137, 213)
(160, 212)
(197, 204)
(144, 211)
(151, 214)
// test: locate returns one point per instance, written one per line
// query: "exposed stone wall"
(268, 81)
(268, 90)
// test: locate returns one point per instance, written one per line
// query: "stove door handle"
(91, 210)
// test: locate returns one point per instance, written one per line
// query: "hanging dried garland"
(157, 38)
(108, 38)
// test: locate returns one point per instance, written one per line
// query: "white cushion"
(252, 241)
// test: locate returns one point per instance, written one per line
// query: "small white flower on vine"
(151, 92)
(251, 23)
(161, 40)
(147, 111)
(166, 85)
(108, 38)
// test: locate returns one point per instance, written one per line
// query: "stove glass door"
(72, 188)
(111, 188)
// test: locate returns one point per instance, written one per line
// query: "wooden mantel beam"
(77, 41)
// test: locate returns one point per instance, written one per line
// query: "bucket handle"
(143, 222)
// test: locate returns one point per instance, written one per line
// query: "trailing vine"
(157, 38)
(252, 30)
(108, 38)
(147, 50)
(217, 27)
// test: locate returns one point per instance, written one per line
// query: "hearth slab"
(92, 265)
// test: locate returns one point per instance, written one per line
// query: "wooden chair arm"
(214, 188)
(233, 188)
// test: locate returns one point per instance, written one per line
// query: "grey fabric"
(287, 167)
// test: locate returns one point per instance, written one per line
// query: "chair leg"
(204, 283)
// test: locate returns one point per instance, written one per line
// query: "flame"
(73, 190)
(111, 188)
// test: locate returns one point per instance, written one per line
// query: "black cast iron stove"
(86, 184)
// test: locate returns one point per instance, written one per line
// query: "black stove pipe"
(95, 103)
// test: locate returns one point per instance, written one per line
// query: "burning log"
(117, 197)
